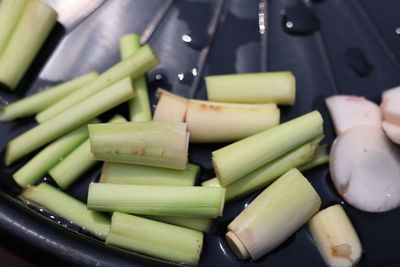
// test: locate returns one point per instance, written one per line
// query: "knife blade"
(93, 44)
(72, 12)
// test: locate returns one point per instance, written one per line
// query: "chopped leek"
(10, 14)
(69, 119)
(267, 173)
(224, 122)
(133, 66)
(184, 201)
(170, 107)
(235, 160)
(335, 237)
(77, 162)
(68, 208)
(156, 239)
(273, 216)
(264, 87)
(160, 144)
(40, 164)
(117, 173)
(36, 22)
(34, 103)
(139, 107)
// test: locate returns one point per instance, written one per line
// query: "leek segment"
(117, 173)
(10, 14)
(77, 162)
(159, 144)
(34, 103)
(69, 119)
(41, 163)
(199, 224)
(139, 107)
(273, 216)
(181, 201)
(225, 122)
(36, 22)
(335, 237)
(68, 208)
(267, 87)
(267, 173)
(235, 160)
(133, 66)
(156, 239)
(170, 107)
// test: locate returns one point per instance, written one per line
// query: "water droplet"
(3, 101)
(398, 30)
(187, 77)
(198, 42)
(186, 38)
(299, 20)
(358, 62)
(261, 17)
(160, 79)
(388, 195)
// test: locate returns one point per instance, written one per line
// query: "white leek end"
(335, 237)
(273, 216)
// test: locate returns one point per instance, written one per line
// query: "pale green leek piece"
(159, 144)
(66, 121)
(118, 173)
(156, 239)
(263, 87)
(42, 162)
(36, 22)
(321, 157)
(213, 122)
(200, 224)
(184, 201)
(139, 107)
(67, 207)
(77, 162)
(32, 104)
(133, 66)
(10, 14)
(267, 173)
(273, 216)
(242, 157)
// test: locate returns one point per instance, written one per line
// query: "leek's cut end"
(335, 237)
(237, 246)
(155, 59)
(9, 158)
(3, 115)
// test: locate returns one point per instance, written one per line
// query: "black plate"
(332, 46)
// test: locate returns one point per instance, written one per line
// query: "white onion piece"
(350, 111)
(394, 92)
(392, 131)
(365, 169)
(390, 108)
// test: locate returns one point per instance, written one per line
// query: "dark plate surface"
(332, 46)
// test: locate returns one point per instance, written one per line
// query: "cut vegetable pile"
(148, 193)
